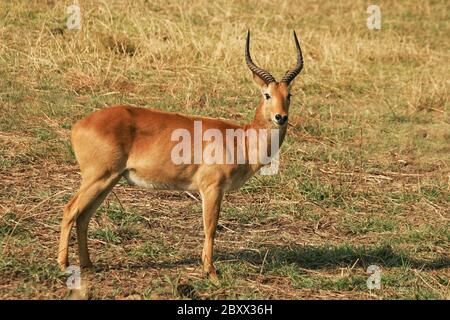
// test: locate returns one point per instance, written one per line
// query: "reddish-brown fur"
(136, 143)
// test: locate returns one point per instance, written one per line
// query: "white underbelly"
(134, 179)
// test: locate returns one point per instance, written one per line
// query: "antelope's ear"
(289, 85)
(259, 82)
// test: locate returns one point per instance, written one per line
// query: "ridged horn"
(263, 74)
(291, 74)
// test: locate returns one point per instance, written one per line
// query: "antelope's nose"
(281, 119)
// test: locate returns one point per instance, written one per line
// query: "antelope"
(135, 143)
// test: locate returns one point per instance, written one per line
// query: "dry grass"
(365, 170)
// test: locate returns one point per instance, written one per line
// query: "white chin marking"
(277, 124)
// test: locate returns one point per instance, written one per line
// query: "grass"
(364, 173)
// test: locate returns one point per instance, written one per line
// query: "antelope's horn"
(263, 74)
(291, 74)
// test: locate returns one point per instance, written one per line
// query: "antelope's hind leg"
(80, 209)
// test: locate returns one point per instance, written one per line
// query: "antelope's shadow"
(307, 257)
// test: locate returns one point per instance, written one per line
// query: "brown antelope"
(135, 143)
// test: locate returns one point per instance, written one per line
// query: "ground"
(364, 175)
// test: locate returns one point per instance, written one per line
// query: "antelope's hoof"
(63, 265)
(212, 275)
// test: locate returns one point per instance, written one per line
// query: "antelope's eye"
(267, 96)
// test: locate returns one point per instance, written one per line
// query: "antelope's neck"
(260, 124)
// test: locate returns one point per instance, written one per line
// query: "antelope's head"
(276, 95)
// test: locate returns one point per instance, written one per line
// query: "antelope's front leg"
(211, 201)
